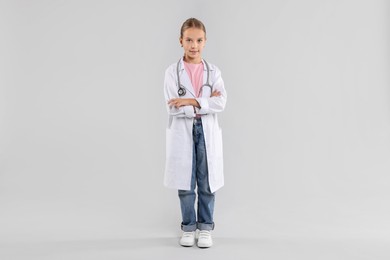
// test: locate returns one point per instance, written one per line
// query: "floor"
(224, 248)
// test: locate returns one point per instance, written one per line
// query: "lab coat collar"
(181, 67)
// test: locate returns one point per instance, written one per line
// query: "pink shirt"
(195, 72)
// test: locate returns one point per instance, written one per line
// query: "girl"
(195, 94)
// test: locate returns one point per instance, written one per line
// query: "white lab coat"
(179, 142)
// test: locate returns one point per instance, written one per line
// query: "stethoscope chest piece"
(181, 91)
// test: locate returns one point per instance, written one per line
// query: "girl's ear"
(181, 41)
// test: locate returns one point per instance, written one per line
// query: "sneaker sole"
(187, 245)
(204, 245)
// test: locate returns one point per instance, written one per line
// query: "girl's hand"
(180, 102)
(215, 93)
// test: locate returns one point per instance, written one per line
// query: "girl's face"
(193, 42)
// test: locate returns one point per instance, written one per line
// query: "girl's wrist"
(195, 103)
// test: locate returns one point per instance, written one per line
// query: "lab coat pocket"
(169, 139)
(178, 157)
(176, 144)
(216, 163)
(219, 147)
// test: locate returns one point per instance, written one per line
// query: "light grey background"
(306, 128)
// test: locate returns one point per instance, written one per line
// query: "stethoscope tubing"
(182, 90)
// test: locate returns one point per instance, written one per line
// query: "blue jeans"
(203, 220)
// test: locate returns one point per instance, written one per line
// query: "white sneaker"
(205, 239)
(188, 239)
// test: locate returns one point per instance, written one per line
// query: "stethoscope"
(182, 90)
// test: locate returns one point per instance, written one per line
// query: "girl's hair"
(192, 23)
